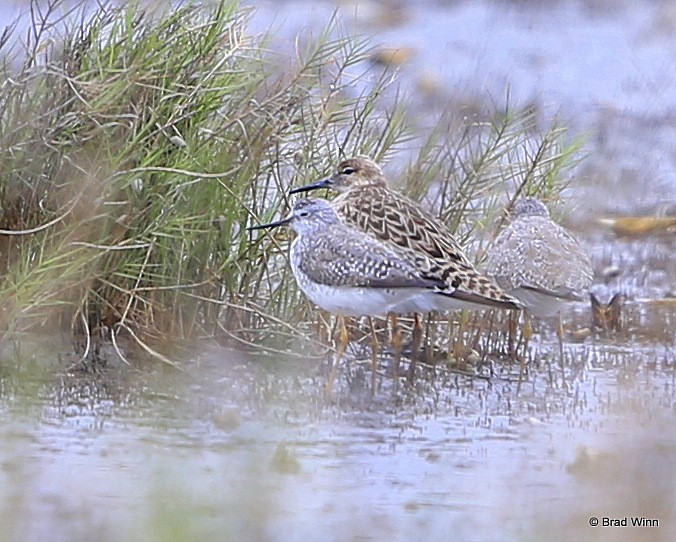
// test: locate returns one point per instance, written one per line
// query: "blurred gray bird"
(539, 262)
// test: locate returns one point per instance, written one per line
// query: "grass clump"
(136, 147)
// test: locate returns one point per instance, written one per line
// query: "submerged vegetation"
(135, 148)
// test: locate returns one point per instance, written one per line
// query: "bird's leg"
(512, 321)
(323, 331)
(343, 339)
(429, 339)
(396, 345)
(527, 331)
(527, 334)
(417, 341)
(459, 344)
(375, 350)
(559, 334)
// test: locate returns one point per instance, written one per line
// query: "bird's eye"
(348, 171)
(303, 213)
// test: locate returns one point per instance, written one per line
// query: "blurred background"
(605, 68)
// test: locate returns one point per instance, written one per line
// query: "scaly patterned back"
(535, 252)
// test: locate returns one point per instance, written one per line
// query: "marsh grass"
(136, 147)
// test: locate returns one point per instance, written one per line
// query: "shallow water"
(243, 446)
(239, 448)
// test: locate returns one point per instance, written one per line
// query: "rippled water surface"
(242, 446)
(238, 448)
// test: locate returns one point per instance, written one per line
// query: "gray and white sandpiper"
(539, 262)
(345, 271)
(348, 272)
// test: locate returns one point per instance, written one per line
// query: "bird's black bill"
(324, 183)
(270, 225)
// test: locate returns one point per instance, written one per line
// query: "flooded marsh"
(236, 439)
(236, 447)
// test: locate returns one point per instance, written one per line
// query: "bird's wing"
(393, 218)
(565, 294)
(541, 256)
(502, 301)
(359, 261)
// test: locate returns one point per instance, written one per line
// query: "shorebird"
(368, 204)
(539, 262)
(347, 272)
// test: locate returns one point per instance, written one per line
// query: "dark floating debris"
(607, 317)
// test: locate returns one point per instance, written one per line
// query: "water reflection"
(226, 452)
